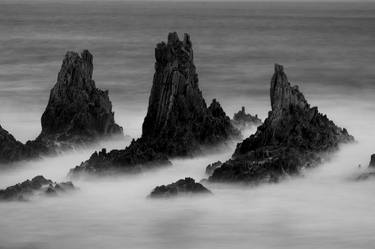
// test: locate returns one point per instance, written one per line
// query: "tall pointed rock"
(77, 111)
(178, 121)
(292, 137)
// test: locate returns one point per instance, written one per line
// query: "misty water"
(328, 49)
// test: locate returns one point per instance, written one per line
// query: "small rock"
(183, 186)
(39, 184)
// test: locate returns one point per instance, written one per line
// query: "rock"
(372, 161)
(10, 149)
(178, 122)
(39, 184)
(77, 113)
(137, 156)
(242, 120)
(211, 167)
(292, 137)
(369, 172)
(183, 186)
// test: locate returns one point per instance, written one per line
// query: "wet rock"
(211, 167)
(178, 121)
(77, 113)
(242, 120)
(183, 186)
(23, 191)
(291, 138)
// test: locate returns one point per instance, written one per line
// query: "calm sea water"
(328, 49)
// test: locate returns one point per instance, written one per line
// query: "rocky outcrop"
(10, 148)
(242, 120)
(23, 191)
(292, 137)
(178, 121)
(185, 186)
(77, 113)
(372, 161)
(211, 167)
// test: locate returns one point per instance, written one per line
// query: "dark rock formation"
(39, 184)
(183, 186)
(242, 120)
(10, 149)
(178, 121)
(77, 113)
(292, 137)
(211, 167)
(137, 156)
(372, 161)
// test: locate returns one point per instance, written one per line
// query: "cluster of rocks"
(23, 191)
(292, 137)
(242, 120)
(178, 122)
(186, 186)
(77, 113)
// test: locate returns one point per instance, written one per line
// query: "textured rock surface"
(77, 113)
(292, 137)
(10, 148)
(39, 184)
(183, 186)
(242, 120)
(211, 167)
(370, 171)
(178, 121)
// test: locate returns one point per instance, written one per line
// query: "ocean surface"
(328, 49)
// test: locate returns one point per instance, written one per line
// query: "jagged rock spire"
(77, 113)
(177, 111)
(77, 110)
(293, 136)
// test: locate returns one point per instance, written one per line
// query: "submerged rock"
(292, 137)
(178, 121)
(39, 184)
(242, 120)
(183, 186)
(77, 113)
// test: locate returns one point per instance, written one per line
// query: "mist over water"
(328, 49)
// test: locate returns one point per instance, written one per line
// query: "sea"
(327, 49)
